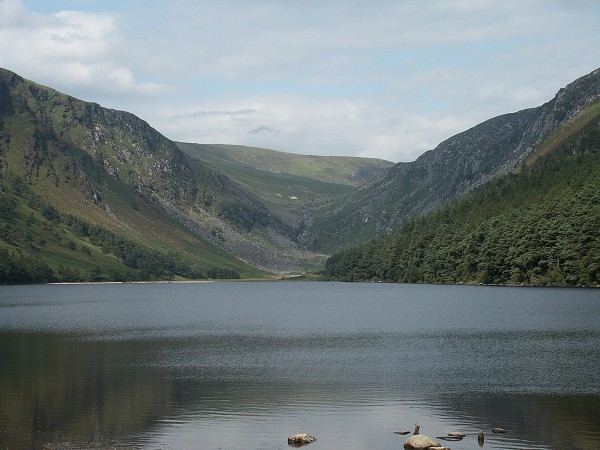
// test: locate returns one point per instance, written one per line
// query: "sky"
(388, 79)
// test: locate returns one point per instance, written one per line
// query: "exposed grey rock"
(420, 441)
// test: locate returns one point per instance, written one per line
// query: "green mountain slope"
(331, 170)
(61, 158)
(539, 225)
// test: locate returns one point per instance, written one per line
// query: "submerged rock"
(457, 434)
(420, 442)
(298, 440)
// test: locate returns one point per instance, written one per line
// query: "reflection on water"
(244, 365)
(59, 387)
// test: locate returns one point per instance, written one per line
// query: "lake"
(244, 365)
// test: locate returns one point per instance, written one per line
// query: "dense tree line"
(23, 269)
(538, 227)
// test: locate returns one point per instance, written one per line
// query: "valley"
(83, 188)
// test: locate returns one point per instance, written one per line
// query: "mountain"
(88, 192)
(91, 193)
(537, 225)
(456, 166)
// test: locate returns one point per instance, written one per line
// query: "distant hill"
(454, 167)
(291, 185)
(538, 225)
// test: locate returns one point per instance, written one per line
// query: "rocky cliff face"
(454, 167)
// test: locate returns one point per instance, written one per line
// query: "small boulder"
(298, 440)
(457, 434)
(420, 442)
(498, 430)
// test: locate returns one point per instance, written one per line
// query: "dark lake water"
(244, 365)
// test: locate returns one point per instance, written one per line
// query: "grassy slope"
(587, 116)
(276, 176)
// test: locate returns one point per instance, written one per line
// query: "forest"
(537, 226)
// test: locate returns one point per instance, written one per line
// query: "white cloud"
(389, 79)
(71, 50)
(299, 124)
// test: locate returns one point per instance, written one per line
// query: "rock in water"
(298, 440)
(498, 430)
(450, 437)
(420, 441)
(457, 434)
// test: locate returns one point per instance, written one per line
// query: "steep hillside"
(112, 170)
(537, 226)
(456, 166)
